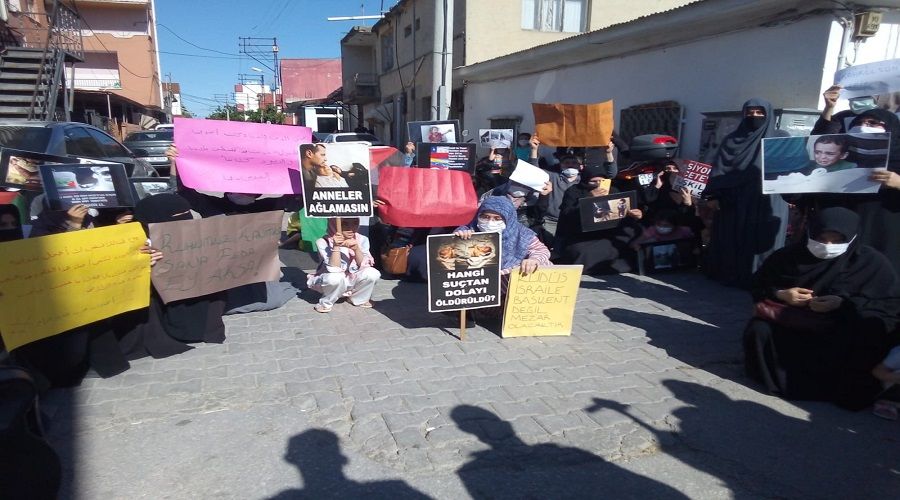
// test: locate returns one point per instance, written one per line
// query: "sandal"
(364, 305)
(322, 308)
(886, 410)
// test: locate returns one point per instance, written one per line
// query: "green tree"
(220, 113)
(269, 115)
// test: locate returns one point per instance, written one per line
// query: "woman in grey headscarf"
(748, 225)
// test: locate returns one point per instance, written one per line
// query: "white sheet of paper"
(529, 175)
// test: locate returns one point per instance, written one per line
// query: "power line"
(192, 43)
(237, 57)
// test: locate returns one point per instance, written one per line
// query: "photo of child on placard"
(463, 274)
(822, 164)
(604, 212)
(462, 255)
(433, 131)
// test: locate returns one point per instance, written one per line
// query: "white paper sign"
(527, 174)
(876, 78)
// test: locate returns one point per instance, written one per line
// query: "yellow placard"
(542, 303)
(51, 284)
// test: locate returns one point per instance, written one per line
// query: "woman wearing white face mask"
(822, 317)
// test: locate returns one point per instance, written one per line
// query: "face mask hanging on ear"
(826, 251)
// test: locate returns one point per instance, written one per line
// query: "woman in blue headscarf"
(521, 247)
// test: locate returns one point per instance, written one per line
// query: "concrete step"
(23, 53)
(35, 66)
(9, 75)
(13, 110)
(19, 86)
(18, 99)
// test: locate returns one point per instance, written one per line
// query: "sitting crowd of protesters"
(836, 277)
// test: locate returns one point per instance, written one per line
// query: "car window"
(79, 143)
(27, 138)
(110, 146)
(151, 136)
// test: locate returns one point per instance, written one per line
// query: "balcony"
(362, 89)
(97, 83)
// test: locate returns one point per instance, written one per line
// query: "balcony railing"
(97, 83)
(365, 79)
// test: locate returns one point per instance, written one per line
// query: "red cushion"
(421, 197)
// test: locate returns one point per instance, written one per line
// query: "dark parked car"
(151, 146)
(71, 139)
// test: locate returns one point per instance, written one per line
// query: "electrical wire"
(236, 57)
(192, 43)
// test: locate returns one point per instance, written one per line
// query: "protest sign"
(419, 197)
(457, 156)
(148, 186)
(871, 79)
(97, 185)
(433, 131)
(604, 212)
(527, 174)
(339, 184)
(541, 303)
(204, 256)
(692, 175)
(21, 169)
(496, 138)
(55, 283)
(239, 157)
(576, 125)
(463, 274)
(823, 163)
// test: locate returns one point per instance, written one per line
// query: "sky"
(213, 27)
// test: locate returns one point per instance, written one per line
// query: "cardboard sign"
(340, 187)
(457, 156)
(604, 212)
(149, 186)
(55, 283)
(542, 303)
(692, 175)
(204, 256)
(575, 125)
(871, 79)
(463, 274)
(496, 138)
(97, 185)
(823, 163)
(434, 131)
(239, 157)
(419, 197)
(22, 169)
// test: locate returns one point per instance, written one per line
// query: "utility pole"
(442, 60)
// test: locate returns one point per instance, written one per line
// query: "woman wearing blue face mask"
(823, 315)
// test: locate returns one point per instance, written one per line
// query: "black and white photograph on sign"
(834, 163)
(459, 156)
(495, 138)
(463, 274)
(149, 186)
(340, 185)
(604, 212)
(434, 131)
(21, 169)
(95, 185)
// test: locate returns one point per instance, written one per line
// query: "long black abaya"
(748, 226)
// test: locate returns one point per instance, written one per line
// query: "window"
(387, 50)
(567, 16)
(418, 24)
(79, 143)
(27, 138)
(111, 147)
(407, 31)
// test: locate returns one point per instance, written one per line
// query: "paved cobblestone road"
(646, 399)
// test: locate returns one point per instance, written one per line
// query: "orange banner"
(576, 125)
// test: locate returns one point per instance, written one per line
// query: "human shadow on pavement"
(512, 469)
(758, 452)
(317, 455)
(408, 307)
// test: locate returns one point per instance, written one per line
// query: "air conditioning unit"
(866, 24)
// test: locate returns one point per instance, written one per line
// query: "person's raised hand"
(831, 95)
(379, 203)
(535, 143)
(659, 178)
(350, 243)
(155, 255)
(528, 266)
(636, 213)
(887, 178)
(171, 154)
(825, 303)
(686, 198)
(464, 233)
(76, 214)
(795, 296)
(338, 239)
(546, 189)
(125, 218)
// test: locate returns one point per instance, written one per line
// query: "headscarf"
(892, 126)
(16, 232)
(516, 238)
(162, 207)
(591, 171)
(861, 271)
(741, 149)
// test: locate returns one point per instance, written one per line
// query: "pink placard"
(239, 157)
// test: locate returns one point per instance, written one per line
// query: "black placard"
(21, 169)
(446, 156)
(463, 274)
(97, 185)
(604, 212)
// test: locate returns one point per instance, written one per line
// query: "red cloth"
(421, 197)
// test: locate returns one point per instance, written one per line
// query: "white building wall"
(783, 64)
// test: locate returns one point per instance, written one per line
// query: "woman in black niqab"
(831, 363)
(165, 329)
(748, 225)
